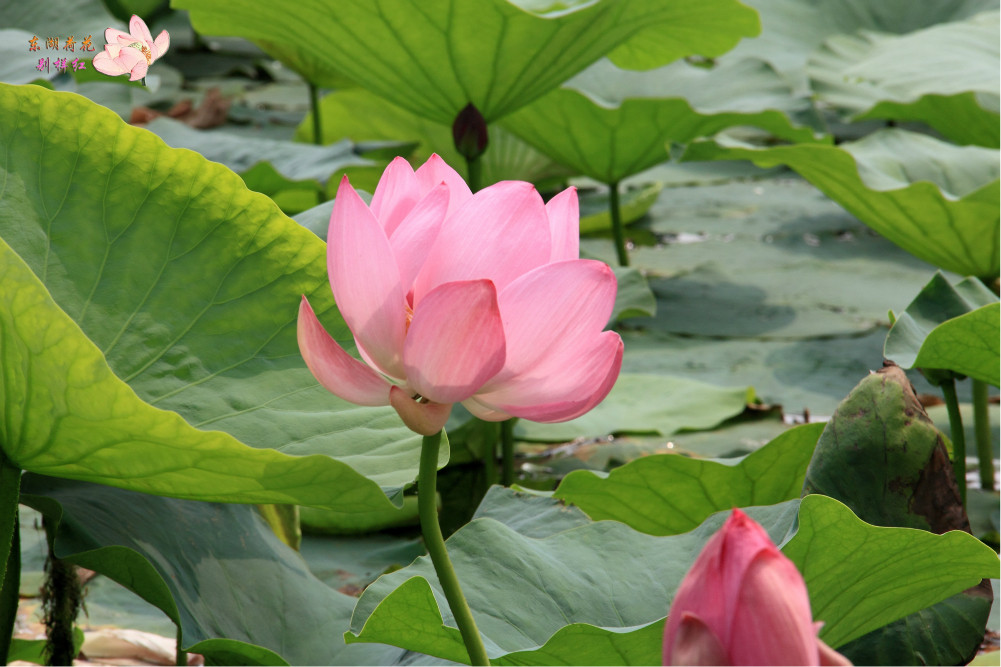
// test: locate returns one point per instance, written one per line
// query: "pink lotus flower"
(133, 53)
(454, 297)
(743, 603)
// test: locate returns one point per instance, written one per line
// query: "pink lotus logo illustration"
(131, 52)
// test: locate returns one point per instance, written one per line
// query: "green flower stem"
(435, 543)
(958, 436)
(489, 463)
(62, 596)
(617, 232)
(507, 452)
(9, 587)
(180, 655)
(314, 108)
(474, 173)
(10, 551)
(982, 429)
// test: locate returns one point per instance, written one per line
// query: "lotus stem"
(489, 461)
(474, 172)
(982, 429)
(180, 655)
(314, 108)
(958, 436)
(507, 452)
(61, 598)
(10, 551)
(617, 232)
(435, 543)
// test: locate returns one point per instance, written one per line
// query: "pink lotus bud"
(743, 603)
(469, 131)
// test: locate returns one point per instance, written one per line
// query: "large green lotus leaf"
(668, 494)
(944, 76)
(949, 327)
(294, 161)
(189, 285)
(770, 260)
(362, 116)
(610, 123)
(433, 57)
(861, 577)
(65, 413)
(330, 522)
(947, 633)
(967, 345)
(608, 608)
(935, 200)
(646, 403)
(184, 557)
(792, 29)
(528, 602)
(766, 283)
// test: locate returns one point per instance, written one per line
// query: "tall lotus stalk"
(956, 432)
(10, 550)
(618, 233)
(982, 432)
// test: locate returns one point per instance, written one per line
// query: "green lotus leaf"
(861, 577)
(791, 30)
(647, 403)
(944, 76)
(668, 494)
(292, 161)
(607, 609)
(948, 327)
(946, 633)
(610, 123)
(185, 562)
(935, 200)
(330, 522)
(597, 593)
(167, 274)
(436, 56)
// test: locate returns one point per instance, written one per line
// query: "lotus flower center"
(145, 51)
(410, 317)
